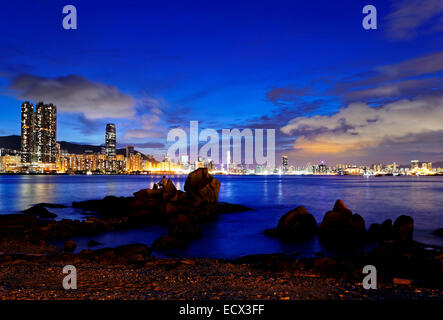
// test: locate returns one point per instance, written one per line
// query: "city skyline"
(334, 92)
(41, 153)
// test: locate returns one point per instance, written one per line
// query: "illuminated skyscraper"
(27, 137)
(110, 140)
(45, 133)
(414, 164)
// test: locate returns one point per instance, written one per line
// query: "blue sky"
(150, 66)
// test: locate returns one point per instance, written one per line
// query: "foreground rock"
(40, 211)
(342, 229)
(202, 186)
(296, 225)
(402, 229)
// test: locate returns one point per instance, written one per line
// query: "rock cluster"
(340, 228)
(402, 229)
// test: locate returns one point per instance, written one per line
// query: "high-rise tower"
(111, 140)
(45, 133)
(27, 137)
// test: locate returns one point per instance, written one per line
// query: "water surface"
(237, 234)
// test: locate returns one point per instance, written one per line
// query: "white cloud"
(358, 126)
(75, 94)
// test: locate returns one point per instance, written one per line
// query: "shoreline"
(166, 173)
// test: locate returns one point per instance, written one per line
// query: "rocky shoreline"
(30, 267)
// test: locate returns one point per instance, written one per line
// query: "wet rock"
(181, 227)
(169, 209)
(130, 251)
(340, 206)
(403, 228)
(386, 229)
(167, 242)
(169, 190)
(374, 233)
(438, 232)
(40, 211)
(342, 229)
(295, 225)
(69, 246)
(202, 186)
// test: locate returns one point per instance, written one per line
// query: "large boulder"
(342, 229)
(40, 211)
(182, 227)
(297, 224)
(168, 242)
(202, 186)
(374, 233)
(403, 228)
(340, 206)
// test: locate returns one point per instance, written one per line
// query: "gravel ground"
(200, 279)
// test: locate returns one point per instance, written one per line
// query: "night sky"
(333, 91)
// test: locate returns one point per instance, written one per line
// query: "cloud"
(358, 126)
(400, 80)
(412, 16)
(148, 128)
(148, 121)
(149, 145)
(429, 64)
(75, 94)
(393, 90)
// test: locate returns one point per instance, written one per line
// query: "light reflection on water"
(376, 199)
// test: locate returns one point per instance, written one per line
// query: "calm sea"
(237, 234)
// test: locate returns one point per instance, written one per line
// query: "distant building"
(110, 140)
(27, 132)
(430, 166)
(284, 163)
(414, 164)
